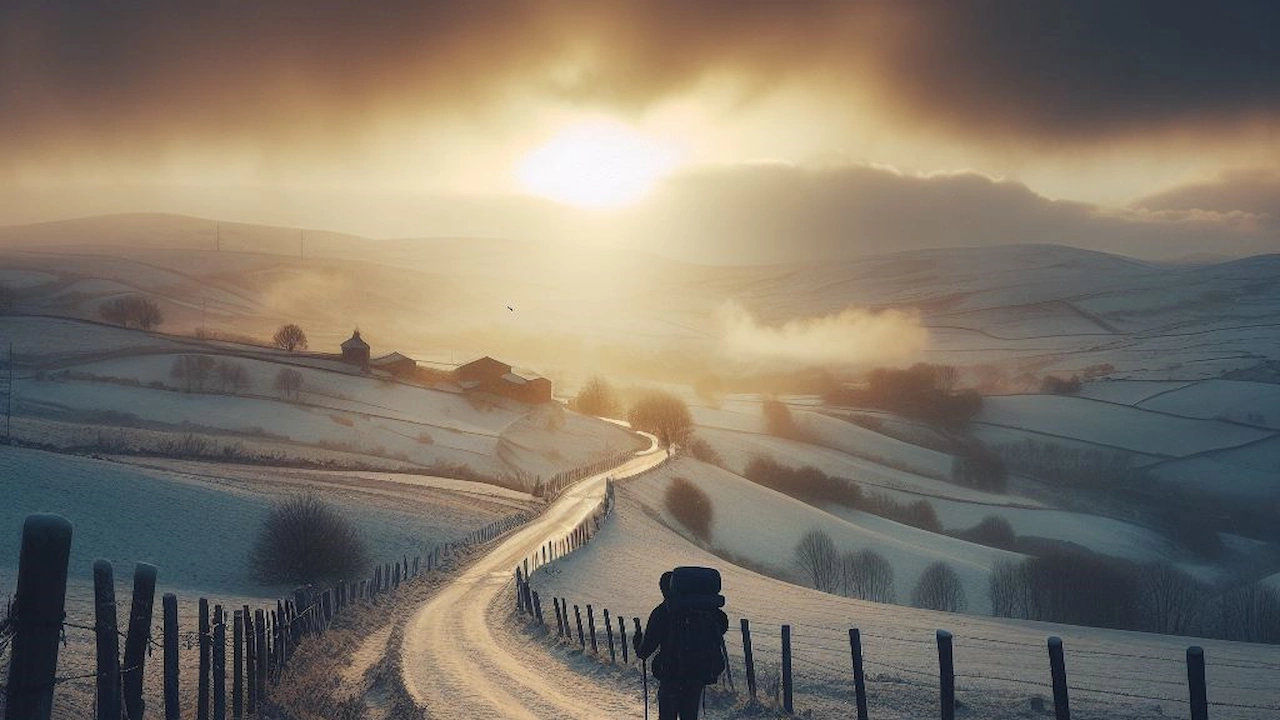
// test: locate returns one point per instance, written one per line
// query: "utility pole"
(218, 229)
(302, 239)
(203, 303)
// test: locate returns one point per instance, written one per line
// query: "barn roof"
(355, 343)
(391, 359)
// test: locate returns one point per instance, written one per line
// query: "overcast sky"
(794, 127)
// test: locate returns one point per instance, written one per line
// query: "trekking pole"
(644, 673)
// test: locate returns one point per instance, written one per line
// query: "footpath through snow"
(454, 666)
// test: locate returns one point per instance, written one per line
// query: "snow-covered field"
(1114, 426)
(1001, 665)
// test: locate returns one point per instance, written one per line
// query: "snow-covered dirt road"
(453, 663)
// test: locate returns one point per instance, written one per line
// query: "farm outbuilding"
(494, 376)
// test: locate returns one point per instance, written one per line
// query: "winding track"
(454, 666)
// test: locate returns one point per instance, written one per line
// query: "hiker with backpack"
(687, 630)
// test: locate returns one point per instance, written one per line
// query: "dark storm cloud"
(782, 213)
(144, 71)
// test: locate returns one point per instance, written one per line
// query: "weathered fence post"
(787, 705)
(219, 664)
(1195, 683)
(260, 628)
(206, 646)
(250, 663)
(326, 606)
(38, 612)
(946, 676)
(559, 618)
(135, 645)
(748, 658)
(577, 614)
(859, 680)
(1058, 670)
(591, 625)
(537, 608)
(608, 629)
(170, 610)
(519, 590)
(108, 641)
(237, 661)
(622, 636)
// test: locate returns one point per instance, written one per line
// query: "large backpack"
(695, 647)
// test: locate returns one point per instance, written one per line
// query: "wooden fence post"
(559, 618)
(591, 625)
(237, 661)
(519, 590)
(581, 638)
(135, 645)
(219, 664)
(787, 705)
(608, 629)
(622, 636)
(946, 676)
(206, 646)
(326, 606)
(170, 610)
(1058, 670)
(859, 680)
(260, 628)
(38, 614)
(250, 663)
(108, 641)
(537, 608)
(747, 657)
(1195, 683)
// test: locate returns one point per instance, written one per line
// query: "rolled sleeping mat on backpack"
(697, 586)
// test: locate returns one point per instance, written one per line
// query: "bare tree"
(817, 559)
(664, 415)
(597, 397)
(132, 310)
(288, 384)
(939, 588)
(1170, 600)
(869, 576)
(6, 299)
(1007, 588)
(1250, 613)
(192, 370)
(232, 377)
(691, 506)
(306, 540)
(290, 337)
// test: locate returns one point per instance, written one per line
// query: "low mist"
(852, 337)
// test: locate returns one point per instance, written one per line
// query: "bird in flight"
(511, 308)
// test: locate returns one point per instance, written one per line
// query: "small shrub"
(939, 588)
(817, 558)
(691, 506)
(342, 420)
(1054, 385)
(867, 575)
(992, 531)
(305, 540)
(597, 397)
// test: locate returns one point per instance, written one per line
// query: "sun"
(596, 164)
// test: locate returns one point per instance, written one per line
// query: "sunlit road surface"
(452, 663)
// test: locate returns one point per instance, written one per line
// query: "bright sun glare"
(596, 164)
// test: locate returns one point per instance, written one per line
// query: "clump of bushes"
(690, 505)
(811, 485)
(978, 466)
(1054, 385)
(992, 531)
(923, 391)
(305, 540)
(135, 310)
